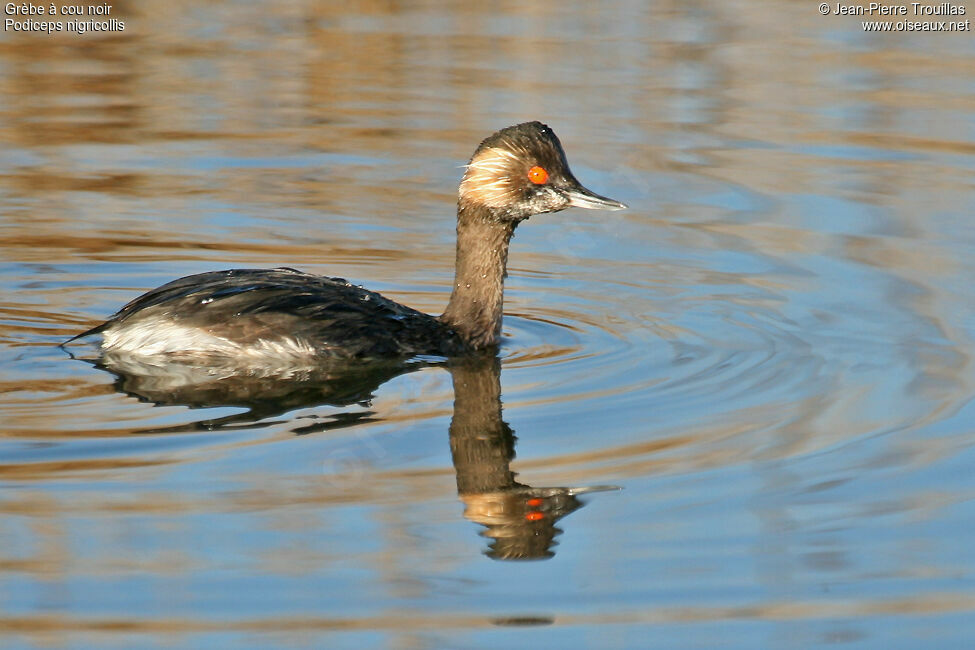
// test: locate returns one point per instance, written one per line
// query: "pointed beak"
(580, 197)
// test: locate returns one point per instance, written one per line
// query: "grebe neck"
(476, 303)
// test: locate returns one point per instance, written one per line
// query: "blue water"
(769, 353)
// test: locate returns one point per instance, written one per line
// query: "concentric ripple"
(684, 346)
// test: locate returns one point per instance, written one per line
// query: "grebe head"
(520, 171)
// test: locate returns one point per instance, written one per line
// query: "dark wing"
(335, 317)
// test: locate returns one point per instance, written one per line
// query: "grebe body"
(283, 316)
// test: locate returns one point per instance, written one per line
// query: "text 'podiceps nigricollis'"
(282, 315)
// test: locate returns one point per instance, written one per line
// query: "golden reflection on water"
(941, 603)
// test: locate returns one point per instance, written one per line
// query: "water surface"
(770, 352)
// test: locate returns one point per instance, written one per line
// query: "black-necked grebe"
(257, 316)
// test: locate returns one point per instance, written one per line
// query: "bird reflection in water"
(519, 519)
(263, 393)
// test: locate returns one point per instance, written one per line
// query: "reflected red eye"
(538, 175)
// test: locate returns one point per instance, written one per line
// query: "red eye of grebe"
(538, 175)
